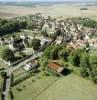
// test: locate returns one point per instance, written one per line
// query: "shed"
(55, 67)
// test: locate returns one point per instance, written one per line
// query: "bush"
(84, 73)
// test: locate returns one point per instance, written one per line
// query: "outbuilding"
(55, 67)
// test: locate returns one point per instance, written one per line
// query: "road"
(12, 68)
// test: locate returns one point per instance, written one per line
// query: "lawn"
(32, 87)
(70, 87)
(40, 87)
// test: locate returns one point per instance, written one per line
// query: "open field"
(32, 87)
(68, 87)
(54, 11)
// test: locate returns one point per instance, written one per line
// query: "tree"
(54, 52)
(6, 53)
(43, 61)
(94, 73)
(47, 51)
(84, 61)
(44, 33)
(93, 60)
(36, 44)
(28, 43)
(29, 25)
(53, 36)
(84, 72)
(75, 56)
(63, 54)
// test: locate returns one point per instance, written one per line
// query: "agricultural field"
(54, 10)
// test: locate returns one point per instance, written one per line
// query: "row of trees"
(9, 26)
(84, 61)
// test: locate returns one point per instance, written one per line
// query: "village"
(24, 49)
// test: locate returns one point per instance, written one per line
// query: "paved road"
(12, 68)
(7, 86)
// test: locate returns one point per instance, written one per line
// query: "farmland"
(54, 10)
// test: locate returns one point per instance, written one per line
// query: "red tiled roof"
(56, 67)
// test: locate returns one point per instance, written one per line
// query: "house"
(31, 65)
(45, 40)
(87, 37)
(58, 40)
(46, 27)
(55, 67)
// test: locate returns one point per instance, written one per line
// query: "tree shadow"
(66, 72)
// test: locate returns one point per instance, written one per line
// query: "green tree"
(84, 72)
(84, 61)
(47, 51)
(6, 53)
(75, 56)
(36, 44)
(29, 25)
(54, 52)
(93, 60)
(94, 73)
(43, 61)
(44, 33)
(28, 43)
(64, 54)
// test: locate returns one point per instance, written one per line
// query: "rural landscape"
(48, 50)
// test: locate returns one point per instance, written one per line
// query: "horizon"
(48, 1)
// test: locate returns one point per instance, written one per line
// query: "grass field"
(32, 87)
(68, 87)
